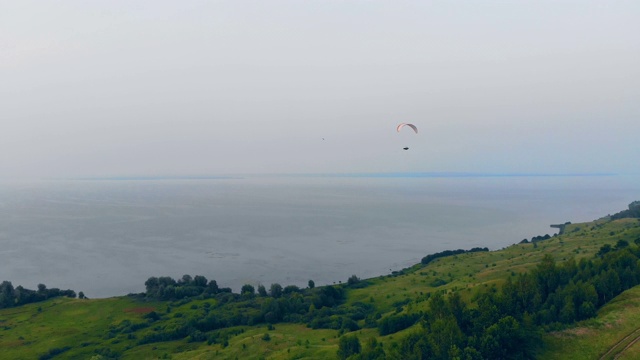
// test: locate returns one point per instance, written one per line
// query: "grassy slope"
(83, 325)
(34, 329)
(594, 337)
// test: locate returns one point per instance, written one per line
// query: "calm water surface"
(106, 238)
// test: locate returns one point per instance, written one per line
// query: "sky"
(205, 88)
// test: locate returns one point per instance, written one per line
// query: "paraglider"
(409, 125)
(402, 125)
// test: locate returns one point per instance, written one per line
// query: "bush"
(394, 323)
(54, 352)
(349, 345)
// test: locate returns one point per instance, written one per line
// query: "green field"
(65, 328)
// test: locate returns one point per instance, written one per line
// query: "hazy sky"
(143, 88)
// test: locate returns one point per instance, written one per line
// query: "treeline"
(507, 323)
(429, 258)
(10, 296)
(632, 212)
(535, 239)
(450, 329)
(571, 291)
(317, 307)
(166, 288)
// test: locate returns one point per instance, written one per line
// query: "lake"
(107, 237)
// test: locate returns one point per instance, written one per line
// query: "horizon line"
(446, 174)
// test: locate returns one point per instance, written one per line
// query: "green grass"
(33, 330)
(594, 337)
(286, 341)
(30, 331)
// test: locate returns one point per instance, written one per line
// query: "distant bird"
(405, 148)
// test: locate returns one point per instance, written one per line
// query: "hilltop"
(552, 297)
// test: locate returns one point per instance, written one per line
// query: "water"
(107, 237)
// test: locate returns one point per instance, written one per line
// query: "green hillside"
(616, 327)
(454, 301)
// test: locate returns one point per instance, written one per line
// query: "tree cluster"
(10, 296)
(429, 258)
(451, 329)
(571, 291)
(318, 307)
(166, 288)
(632, 212)
(506, 323)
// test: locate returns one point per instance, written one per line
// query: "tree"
(25, 296)
(166, 281)
(348, 345)
(394, 323)
(212, 287)
(587, 310)
(275, 290)
(443, 335)
(458, 308)
(506, 339)
(608, 286)
(372, 350)
(289, 289)
(271, 311)
(546, 276)
(247, 290)
(261, 290)
(568, 312)
(622, 244)
(312, 284)
(200, 281)
(353, 280)
(186, 280)
(437, 307)
(7, 295)
(152, 284)
(604, 249)
(415, 346)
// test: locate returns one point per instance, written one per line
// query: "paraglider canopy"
(409, 125)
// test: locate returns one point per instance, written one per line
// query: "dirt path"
(635, 334)
(626, 347)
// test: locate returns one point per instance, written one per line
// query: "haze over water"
(106, 237)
